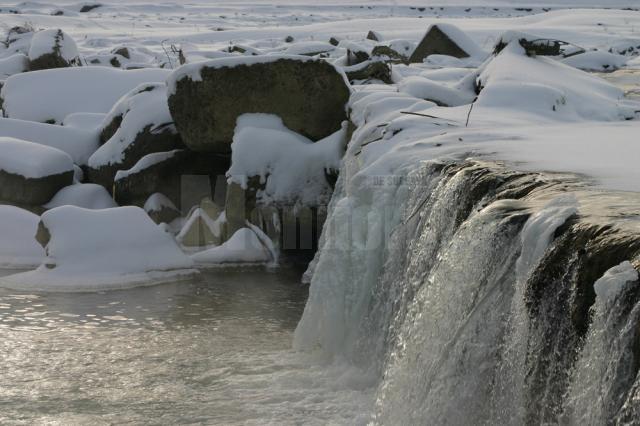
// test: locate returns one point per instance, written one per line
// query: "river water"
(213, 351)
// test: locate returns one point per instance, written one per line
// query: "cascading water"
(475, 304)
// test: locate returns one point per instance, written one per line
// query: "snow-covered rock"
(244, 246)
(88, 196)
(78, 143)
(18, 246)
(144, 127)
(161, 209)
(597, 60)
(31, 174)
(51, 95)
(446, 39)
(437, 92)
(90, 250)
(84, 120)
(206, 98)
(52, 49)
(14, 64)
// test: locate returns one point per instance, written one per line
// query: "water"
(213, 351)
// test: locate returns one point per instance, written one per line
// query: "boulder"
(442, 39)
(160, 209)
(370, 70)
(170, 173)
(18, 39)
(85, 195)
(207, 98)
(374, 36)
(52, 49)
(31, 174)
(389, 54)
(144, 126)
(13, 64)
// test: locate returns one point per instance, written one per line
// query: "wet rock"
(310, 97)
(436, 42)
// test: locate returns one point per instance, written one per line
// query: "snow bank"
(243, 247)
(14, 64)
(88, 196)
(78, 143)
(614, 281)
(439, 93)
(92, 250)
(551, 89)
(46, 41)
(84, 120)
(145, 106)
(54, 94)
(597, 60)
(291, 166)
(18, 246)
(31, 160)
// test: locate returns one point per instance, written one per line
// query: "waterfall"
(465, 292)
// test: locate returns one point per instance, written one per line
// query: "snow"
(13, 64)
(54, 94)
(462, 40)
(145, 106)
(423, 88)
(87, 195)
(43, 42)
(244, 246)
(614, 281)
(597, 60)
(214, 225)
(78, 143)
(146, 162)
(309, 47)
(18, 246)
(92, 250)
(32, 160)
(291, 166)
(90, 121)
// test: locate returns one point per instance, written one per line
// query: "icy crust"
(145, 106)
(614, 281)
(192, 71)
(18, 246)
(78, 143)
(44, 42)
(51, 95)
(291, 166)
(86, 195)
(32, 160)
(243, 247)
(93, 250)
(146, 162)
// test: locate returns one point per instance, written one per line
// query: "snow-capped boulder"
(369, 70)
(205, 99)
(14, 64)
(51, 95)
(161, 209)
(87, 196)
(597, 60)
(102, 249)
(144, 126)
(18, 39)
(18, 245)
(31, 174)
(165, 172)
(78, 143)
(53, 49)
(444, 39)
(244, 246)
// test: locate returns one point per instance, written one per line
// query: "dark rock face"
(89, 7)
(392, 55)
(377, 70)
(168, 178)
(309, 96)
(22, 191)
(436, 42)
(147, 141)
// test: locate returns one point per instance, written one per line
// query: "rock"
(144, 126)
(14, 64)
(31, 174)
(356, 54)
(85, 195)
(89, 7)
(207, 98)
(169, 173)
(289, 39)
(374, 36)
(437, 42)
(160, 209)
(369, 70)
(53, 49)
(204, 227)
(390, 54)
(122, 51)
(334, 41)
(533, 45)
